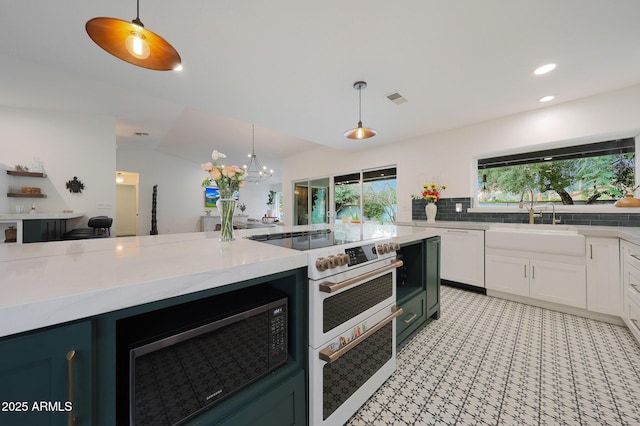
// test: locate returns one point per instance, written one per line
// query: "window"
(369, 195)
(596, 173)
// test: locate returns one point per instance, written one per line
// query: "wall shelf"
(26, 174)
(20, 195)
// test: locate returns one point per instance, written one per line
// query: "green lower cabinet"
(414, 314)
(418, 285)
(46, 377)
(281, 405)
(433, 277)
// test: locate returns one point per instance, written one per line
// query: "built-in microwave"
(183, 360)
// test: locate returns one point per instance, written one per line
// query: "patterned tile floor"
(489, 361)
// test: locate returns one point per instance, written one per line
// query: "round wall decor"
(75, 186)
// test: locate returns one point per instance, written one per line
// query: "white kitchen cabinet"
(538, 276)
(630, 259)
(462, 256)
(604, 289)
(508, 274)
(558, 282)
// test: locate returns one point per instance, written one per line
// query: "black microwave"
(183, 360)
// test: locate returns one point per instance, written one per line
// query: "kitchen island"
(76, 292)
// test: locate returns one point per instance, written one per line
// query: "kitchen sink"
(563, 240)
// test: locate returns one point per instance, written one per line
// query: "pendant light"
(255, 171)
(360, 132)
(132, 43)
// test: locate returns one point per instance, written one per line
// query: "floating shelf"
(19, 195)
(26, 174)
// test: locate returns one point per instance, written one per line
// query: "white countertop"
(627, 233)
(43, 215)
(50, 283)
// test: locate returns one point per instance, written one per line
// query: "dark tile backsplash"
(447, 212)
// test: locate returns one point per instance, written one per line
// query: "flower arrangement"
(228, 179)
(431, 192)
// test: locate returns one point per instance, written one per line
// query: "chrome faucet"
(554, 221)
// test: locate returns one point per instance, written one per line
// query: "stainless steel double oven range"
(352, 311)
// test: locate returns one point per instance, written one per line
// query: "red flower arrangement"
(432, 192)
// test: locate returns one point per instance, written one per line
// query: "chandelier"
(255, 171)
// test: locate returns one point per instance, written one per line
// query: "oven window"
(341, 378)
(347, 304)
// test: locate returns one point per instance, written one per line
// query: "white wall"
(180, 201)
(448, 157)
(68, 145)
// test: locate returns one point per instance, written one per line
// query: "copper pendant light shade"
(132, 43)
(360, 132)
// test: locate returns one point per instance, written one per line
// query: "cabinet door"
(604, 290)
(38, 383)
(508, 274)
(463, 256)
(562, 283)
(433, 277)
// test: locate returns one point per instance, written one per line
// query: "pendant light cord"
(360, 105)
(137, 21)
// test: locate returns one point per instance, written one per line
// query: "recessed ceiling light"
(544, 69)
(547, 98)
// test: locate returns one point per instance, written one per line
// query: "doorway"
(311, 201)
(126, 204)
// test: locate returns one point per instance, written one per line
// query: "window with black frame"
(595, 173)
(369, 195)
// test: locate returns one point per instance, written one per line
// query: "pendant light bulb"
(137, 45)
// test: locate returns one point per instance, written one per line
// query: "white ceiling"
(288, 66)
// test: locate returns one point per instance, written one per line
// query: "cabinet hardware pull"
(70, 355)
(458, 231)
(635, 322)
(329, 355)
(635, 287)
(411, 318)
(329, 287)
(590, 251)
(525, 271)
(533, 272)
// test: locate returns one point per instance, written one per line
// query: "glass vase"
(431, 210)
(226, 208)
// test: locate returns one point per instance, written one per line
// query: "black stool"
(99, 227)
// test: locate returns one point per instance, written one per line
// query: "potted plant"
(271, 199)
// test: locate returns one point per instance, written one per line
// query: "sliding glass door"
(311, 201)
(367, 195)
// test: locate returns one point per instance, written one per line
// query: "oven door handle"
(329, 287)
(329, 355)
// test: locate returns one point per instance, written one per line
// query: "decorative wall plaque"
(75, 186)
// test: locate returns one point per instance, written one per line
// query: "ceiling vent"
(396, 98)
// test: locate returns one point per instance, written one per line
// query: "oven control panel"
(357, 255)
